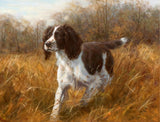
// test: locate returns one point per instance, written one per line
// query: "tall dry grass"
(28, 84)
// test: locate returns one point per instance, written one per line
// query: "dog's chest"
(80, 71)
(75, 67)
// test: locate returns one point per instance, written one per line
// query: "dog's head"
(62, 38)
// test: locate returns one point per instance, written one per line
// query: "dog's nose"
(48, 44)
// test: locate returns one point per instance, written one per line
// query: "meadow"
(28, 84)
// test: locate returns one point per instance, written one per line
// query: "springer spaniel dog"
(80, 64)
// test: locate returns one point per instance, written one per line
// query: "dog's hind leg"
(90, 91)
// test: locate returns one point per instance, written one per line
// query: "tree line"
(111, 19)
(19, 35)
(98, 20)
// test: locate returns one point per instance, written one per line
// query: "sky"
(34, 10)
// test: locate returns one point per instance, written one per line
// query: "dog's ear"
(47, 34)
(47, 55)
(72, 42)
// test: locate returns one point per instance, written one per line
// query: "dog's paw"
(53, 119)
(54, 116)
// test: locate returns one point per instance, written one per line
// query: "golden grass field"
(28, 84)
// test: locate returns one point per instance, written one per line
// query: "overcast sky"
(34, 10)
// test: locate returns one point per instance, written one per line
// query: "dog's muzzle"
(50, 46)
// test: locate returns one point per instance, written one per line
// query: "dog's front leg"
(60, 96)
(57, 103)
(59, 93)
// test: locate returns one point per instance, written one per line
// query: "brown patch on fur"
(72, 42)
(109, 63)
(92, 57)
(59, 36)
(47, 34)
(112, 44)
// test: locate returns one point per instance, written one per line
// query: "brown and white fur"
(80, 64)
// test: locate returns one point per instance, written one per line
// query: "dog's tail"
(116, 43)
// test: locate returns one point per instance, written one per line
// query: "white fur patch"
(45, 47)
(124, 40)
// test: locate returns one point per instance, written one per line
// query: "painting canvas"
(28, 74)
